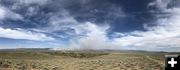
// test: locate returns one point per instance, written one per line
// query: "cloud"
(160, 4)
(85, 25)
(95, 38)
(16, 9)
(5, 13)
(86, 35)
(32, 11)
(2, 13)
(23, 34)
(165, 35)
(40, 2)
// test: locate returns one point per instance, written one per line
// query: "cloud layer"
(83, 24)
(22, 34)
(163, 37)
(5, 13)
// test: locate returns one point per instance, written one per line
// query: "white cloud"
(160, 4)
(2, 13)
(40, 2)
(165, 5)
(22, 34)
(92, 36)
(5, 13)
(95, 38)
(60, 21)
(163, 37)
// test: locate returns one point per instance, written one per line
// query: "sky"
(151, 25)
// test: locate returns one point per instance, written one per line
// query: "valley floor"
(112, 61)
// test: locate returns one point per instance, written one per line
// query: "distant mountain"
(33, 48)
(25, 49)
(78, 50)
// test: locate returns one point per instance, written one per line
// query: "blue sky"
(151, 25)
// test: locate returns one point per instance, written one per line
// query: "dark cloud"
(91, 24)
(123, 15)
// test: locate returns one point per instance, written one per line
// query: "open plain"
(71, 60)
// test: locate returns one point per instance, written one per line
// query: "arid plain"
(73, 60)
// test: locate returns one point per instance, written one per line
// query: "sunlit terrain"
(89, 34)
(80, 60)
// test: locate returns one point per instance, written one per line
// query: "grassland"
(81, 61)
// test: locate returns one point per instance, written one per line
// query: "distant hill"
(25, 49)
(87, 50)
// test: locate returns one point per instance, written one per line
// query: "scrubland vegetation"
(81, 61)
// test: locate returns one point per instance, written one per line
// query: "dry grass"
(80, 61)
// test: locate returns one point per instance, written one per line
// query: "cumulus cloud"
(63, 22)
(22, 34)
(163, 37)
(86, 35)
(95, 38)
